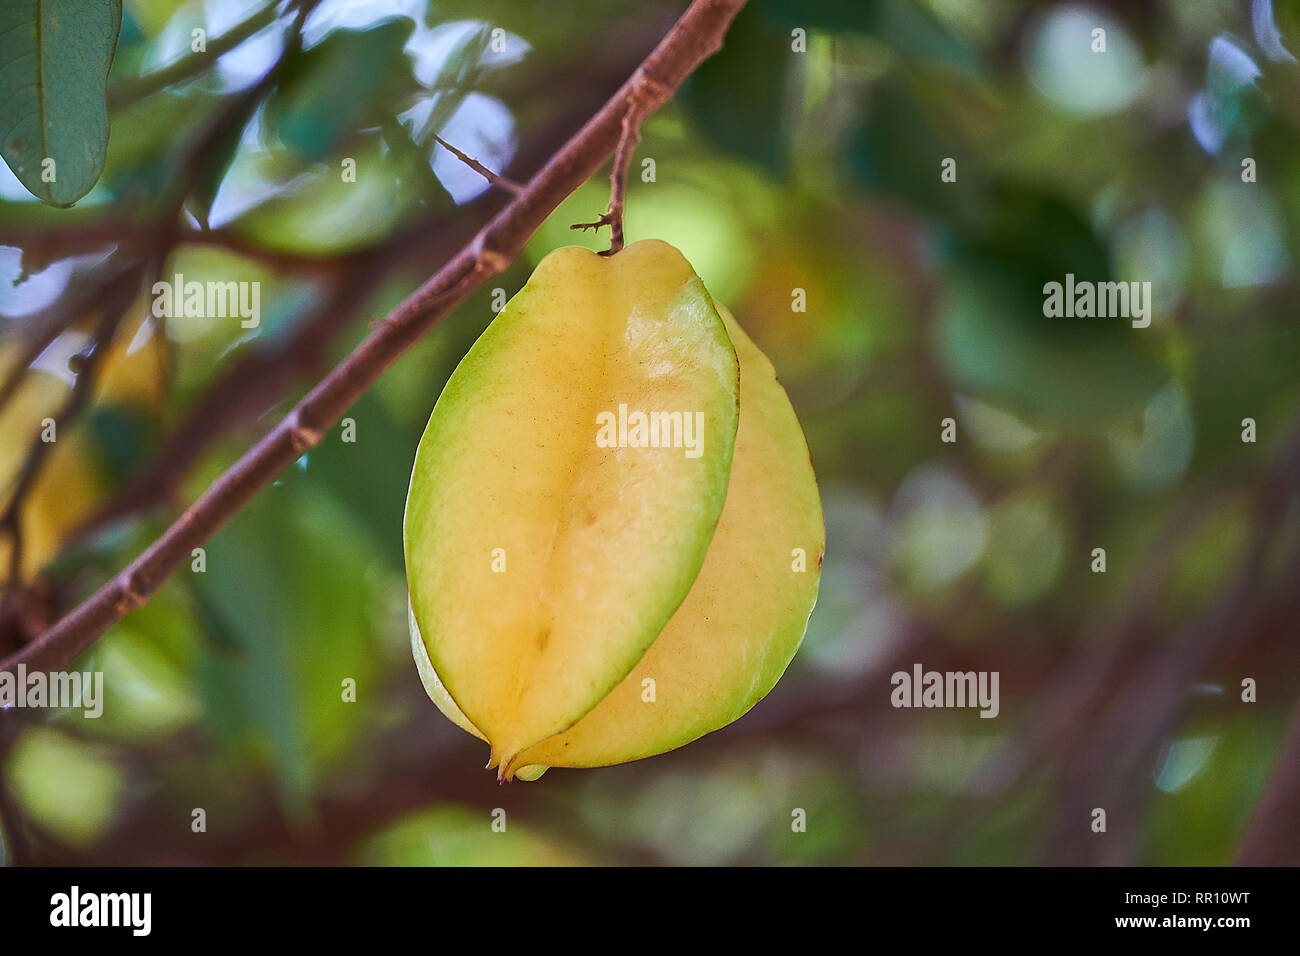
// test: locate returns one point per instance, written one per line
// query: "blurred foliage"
(455, 836)
(775, 171)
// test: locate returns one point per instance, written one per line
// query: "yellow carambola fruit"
(728, 641)
(541, 561)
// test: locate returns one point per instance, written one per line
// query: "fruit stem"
(641, 99)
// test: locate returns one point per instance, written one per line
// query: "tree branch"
(1108, 767)
(694, 37)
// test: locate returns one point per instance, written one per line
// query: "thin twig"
(84, 292)
(73, 238)
(1109, 768)
(496, 179)
(235, 115)
(118, 299)
(641, 102)
(192, 64)
(694, 37)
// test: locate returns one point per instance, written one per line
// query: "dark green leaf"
(897, 153)
(56, 55)
(286, 603)
(368, 477)
(995, 338)
(737, 95)
(1088, 373)
(216, 162)
(462, 71)
(905, 26)
(328, 88)
(122, 437)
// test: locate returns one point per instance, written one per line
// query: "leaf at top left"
(54, 61)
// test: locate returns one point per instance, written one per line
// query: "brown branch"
(242, 392)
(254, 384)
(693, 38)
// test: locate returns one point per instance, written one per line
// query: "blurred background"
(807, 155)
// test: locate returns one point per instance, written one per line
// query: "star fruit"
(613, 534)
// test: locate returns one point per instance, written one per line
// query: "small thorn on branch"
(496, 179)
(606, 219)
(645, 94)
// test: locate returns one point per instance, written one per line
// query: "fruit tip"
(506, 771)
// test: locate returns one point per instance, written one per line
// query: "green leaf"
(144, 160)
(372, 487)
(56, 55)
(913, 31)
(905, 26)
(736, 96)
(287, 600)
(121, 437)
(329, 87)
(994, 338)
(1028, 236)
(895, 140)
(69, 788)
(1083, 373)
(216, 163)
(461, 73)
(450, 835)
